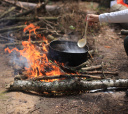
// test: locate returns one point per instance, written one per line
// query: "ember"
(37, 60)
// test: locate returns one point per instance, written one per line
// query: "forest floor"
(109, 45)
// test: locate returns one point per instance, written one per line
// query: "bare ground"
(110, 51)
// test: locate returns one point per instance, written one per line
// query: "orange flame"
(38, 61)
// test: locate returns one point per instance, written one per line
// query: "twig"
(91, 67)
(12, 28)
(8, 38)
(33, 10)
(27, 18)
(100, 72)
(20, 42)
(6, 12)
(56, 66)
(17, 5)
(49, 25)
(80, 66)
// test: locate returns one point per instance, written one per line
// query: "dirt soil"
(110, 50)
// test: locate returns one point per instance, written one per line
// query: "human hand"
(92, 18)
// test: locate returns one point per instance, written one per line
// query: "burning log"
(24, 76)
(65, 85)
(65, 76)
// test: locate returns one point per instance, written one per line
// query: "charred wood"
(65, 76)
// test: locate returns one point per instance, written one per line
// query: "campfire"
(42, 75)
(46, 76)
(36, 58)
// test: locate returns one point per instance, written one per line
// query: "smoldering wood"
(91, 68)
(65, 76)
(7, 12)
(119, 7)
(65, 85)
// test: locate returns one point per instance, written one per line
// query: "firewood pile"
(52, 19)
(18, 13)
(84, 77)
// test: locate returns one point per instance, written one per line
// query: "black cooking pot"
(67, 52)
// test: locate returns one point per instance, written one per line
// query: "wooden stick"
(8, 38)
(17, 5)
(100, 72)
(91, 67)
(12, 28)
(18, 27)
(79, 66)
(41, 6)
(65, 76)
(7, 12)
(65, 85)
(27, 18)
(20, 42)
(29, 5)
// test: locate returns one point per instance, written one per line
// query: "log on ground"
(74, 84)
